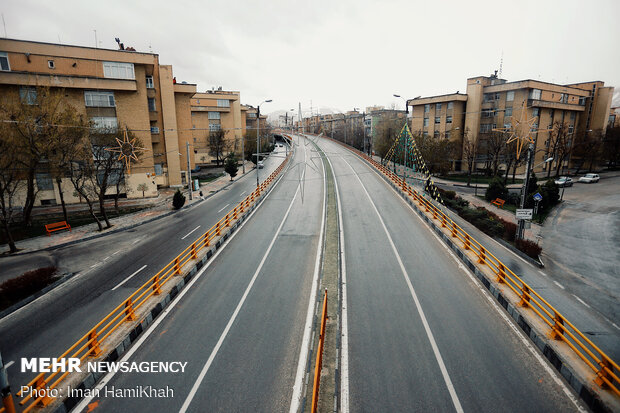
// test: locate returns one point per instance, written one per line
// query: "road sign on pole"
(537, 197)
(524, 213)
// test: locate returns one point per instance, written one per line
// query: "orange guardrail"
(603, 367)
(319, 358)
(89, 345)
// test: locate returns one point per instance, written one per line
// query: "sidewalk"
(162, 207)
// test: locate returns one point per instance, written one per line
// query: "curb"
(114, 231)
(7, 311)
(540, 340)
(521, 254)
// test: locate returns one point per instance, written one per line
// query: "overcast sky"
(342, 54)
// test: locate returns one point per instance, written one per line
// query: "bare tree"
(558, 145)
(10, 181)
(611, 147)
(494, 145)
(588, 150)
(35, 118)
(470, 148)
(218, 145)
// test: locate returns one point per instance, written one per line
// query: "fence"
(319, 357)
(90, 344)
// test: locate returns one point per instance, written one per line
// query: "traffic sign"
(537, 197)
(524, 213)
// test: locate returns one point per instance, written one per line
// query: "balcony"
(65, 81)
(535, 103)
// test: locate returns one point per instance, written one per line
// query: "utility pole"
(526, 182)
(189, 173)
(257, 143)
(5, 389)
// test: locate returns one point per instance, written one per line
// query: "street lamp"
(526, 181)
(406, 103)
(258, 138)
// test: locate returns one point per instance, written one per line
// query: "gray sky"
(342, 54)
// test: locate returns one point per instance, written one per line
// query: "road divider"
(588, 363)
(107, 333)
(319, 357)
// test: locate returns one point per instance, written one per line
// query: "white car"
(590, 178)
(564, 181)
(261, 165)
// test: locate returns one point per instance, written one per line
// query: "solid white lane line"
(128, 278)
(427, 328)
(109, 376)
(344, 343)
(558, 284)
(524, 340)
(189, 233)
(581, 301)
(116, 252)
(223, 208)
(542, 273)
(106, 258)
(94, 265)
(305, 341)
(241, 194)
(138, 240)
(215, 350)
(9, 364)
(615, 325)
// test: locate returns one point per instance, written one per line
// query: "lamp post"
(258, 138)
(526, 182)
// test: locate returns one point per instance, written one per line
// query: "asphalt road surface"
(422, 335)
(241, 326)
(49, 325)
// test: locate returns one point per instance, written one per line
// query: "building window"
(486, 128)
(510, 96)
(438, 107)
(154, 130)
(28, 95)
(105, 123)
(582, 101)
(214, 126)
(487, 113)
(427, 108)
(149, 82)
(535, 112)
(50, 64)
(488, 97)
(4, 62)
(99, 99)
(507, 126)
(251, 115)
(436, 134)
(159, 169)
(44, 182)
(571, 128)
(564, 98)
(573, 115)
(425, 122)
(437, 120)
(508, 112)
(223, 103)
(152, 107)
(450, 105)
(118, 70)
(535, 94)
(448, 119)
(214, 115)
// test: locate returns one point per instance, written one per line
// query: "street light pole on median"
(258, 139)
(526, 182)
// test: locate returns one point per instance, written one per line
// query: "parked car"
(261, 165)
(564, 181)
(590, 178)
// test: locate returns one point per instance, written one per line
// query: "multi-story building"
(490, 103)
(211, 111)
(113, 89)
(377, 114)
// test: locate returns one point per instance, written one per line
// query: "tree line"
(42, 132)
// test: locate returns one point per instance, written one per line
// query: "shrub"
(231, 167)
(178, 200)
(496, 189)
(18, 288)
(448, 194)
(513, 199)
(551, 194)
(510, 230)
(530, 248)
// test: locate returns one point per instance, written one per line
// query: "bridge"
(420, 315)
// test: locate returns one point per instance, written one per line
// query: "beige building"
(211, 111)
(490, 103)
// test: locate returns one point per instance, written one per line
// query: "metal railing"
(602, 366)
(319, 358)
(90, 344)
